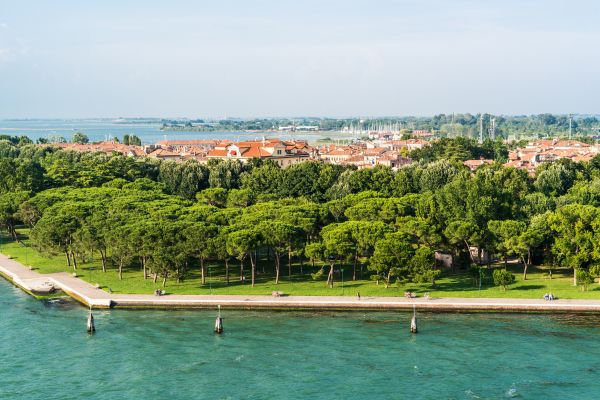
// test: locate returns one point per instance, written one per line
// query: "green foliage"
(595, 270)
(131, 140)
(240, 198)
(117, 207)
(80, 138)
(215, 197)
(556, 178)
(317, 275)
(422, 266)
(503, 278)
(392, 257)
(584, 279)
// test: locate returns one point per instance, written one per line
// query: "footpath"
(35, 283)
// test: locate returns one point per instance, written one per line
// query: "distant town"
(391, 150)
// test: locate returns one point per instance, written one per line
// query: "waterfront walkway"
(92, 297)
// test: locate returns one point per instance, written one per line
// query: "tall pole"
(481, 128)
(570, 125)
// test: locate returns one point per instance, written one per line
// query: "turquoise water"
(46, 354)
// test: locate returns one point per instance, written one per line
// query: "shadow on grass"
(450, 284)
(528, 287)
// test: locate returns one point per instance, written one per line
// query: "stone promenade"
(90, 296)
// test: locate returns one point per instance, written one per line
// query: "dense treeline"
(166, 218)
(445, 125)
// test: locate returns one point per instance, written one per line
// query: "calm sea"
(46, 354)
(98, 130)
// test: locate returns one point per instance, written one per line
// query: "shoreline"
(89, 296)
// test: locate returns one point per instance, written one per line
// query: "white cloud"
(3, 25)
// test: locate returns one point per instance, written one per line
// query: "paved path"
(97, 298)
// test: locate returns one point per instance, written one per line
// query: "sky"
(277, 58)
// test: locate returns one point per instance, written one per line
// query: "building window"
(278, 151)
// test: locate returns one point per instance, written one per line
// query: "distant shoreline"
(88, 295)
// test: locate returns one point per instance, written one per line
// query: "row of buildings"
(547, 151)
(392, 153)
(538, 152)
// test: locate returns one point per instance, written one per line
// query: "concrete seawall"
(90, 296)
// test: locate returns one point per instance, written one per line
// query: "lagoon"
(148, 132)
(45, 353)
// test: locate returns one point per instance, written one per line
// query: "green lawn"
(449, 285)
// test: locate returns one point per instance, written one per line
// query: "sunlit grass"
(449, 285)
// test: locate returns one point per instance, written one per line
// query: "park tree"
(183, 179)
(506, 235)
(350, 181)
(241, 243)
(337, 246)
(121, 250)
(422, 266)
(574, 233)
(10, 211)
(437, 174)
(57, 230)
(240, 198)
(225, 174)
(263, 181)
(221, 250)
(536, 234)
(214, 196)
(556, 179)
(143, 236)
(171, 252)
(199, 237)
(392, 257)
(421, 229)
(194, 178)
(365, 235)
(462, 234)
(92, 236)
(278, 236)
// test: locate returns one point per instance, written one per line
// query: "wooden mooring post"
(91, 328)
(413, 321)
(219, 323)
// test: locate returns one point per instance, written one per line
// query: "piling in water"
(413, 321)
(219, 323)
(90, 324)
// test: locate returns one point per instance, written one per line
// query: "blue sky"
(294, 58)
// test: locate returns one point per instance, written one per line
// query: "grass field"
(450, 284)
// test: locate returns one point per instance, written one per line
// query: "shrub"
(584, 279)
(503, 278)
